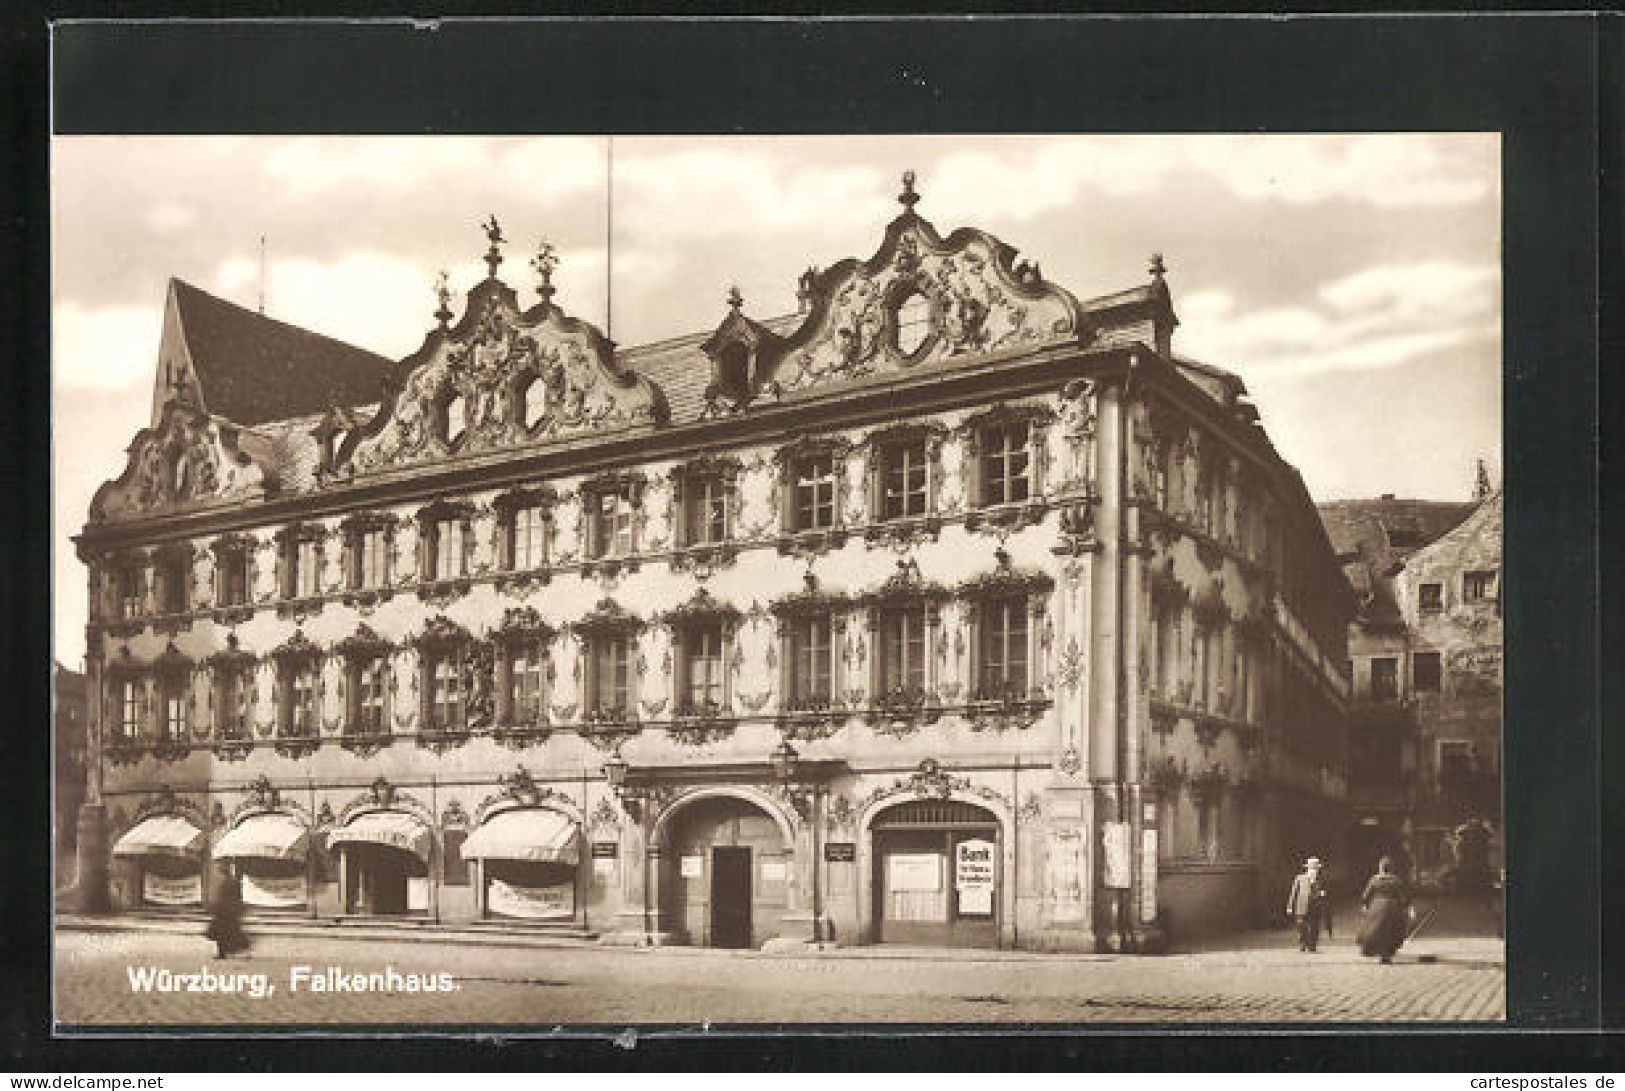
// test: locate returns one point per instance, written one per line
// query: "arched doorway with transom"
(937, 874)
(726, 868)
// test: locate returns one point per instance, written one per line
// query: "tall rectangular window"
(1006, 464)
(702, 690)
(301, 717)
(448, 549)
(610, 691)
(1478, 586)
(132, 591)
(172, 585)
(370, 681)
(707, 514)
(372, 558)
(1425, 672)
(612, 523)
(525, 684)
(1384, 678)
(307, 568)
(175, 708)
(1003, 649)
(815, 493)
(234, 577)
(1455, 760)
(130, 709)
(529, 541)
(810, 677)
(231, 713)
(902, 648)
(446, 694)
(904, 480)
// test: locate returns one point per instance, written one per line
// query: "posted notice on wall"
(693, 867)
(531, 902)
(187, 890)
(973, 876)
(274, 892)
(1115, 836)
(914, 871)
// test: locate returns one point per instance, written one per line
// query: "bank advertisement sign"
(274, 892)
(531, 902)
(973, 876)
(159, 890)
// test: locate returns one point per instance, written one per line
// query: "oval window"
(913, 323)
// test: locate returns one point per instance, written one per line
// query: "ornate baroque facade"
(948, 609)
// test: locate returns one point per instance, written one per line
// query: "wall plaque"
(840, 852)
(605, 850)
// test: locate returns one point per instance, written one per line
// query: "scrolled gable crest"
(188, 458)
(978, 301)
(488, 361)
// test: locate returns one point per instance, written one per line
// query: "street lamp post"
(786, 767)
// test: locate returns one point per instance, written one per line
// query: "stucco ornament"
(188, 458)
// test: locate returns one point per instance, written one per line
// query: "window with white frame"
(612, 517)
(369, 566)
(1006, 463)
(527, 538)
(901, 651)
(176, 704)
(904, 479)
(700, 669)
(301, 692)
(447, 707)
(132, 694)
(1002, 648)
(813, 483)
(705, 514)
(527, 674)
(446, 549)
(609, 692)
(231, 702)
(808, 656)
(369, 687)
(233, 576)
(131, 586)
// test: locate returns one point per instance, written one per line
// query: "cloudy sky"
(1353, 281)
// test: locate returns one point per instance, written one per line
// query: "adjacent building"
(69, 769)
(950, 609)
(1425, 658)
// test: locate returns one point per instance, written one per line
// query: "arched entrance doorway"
(385, 864)
(938, 874)
(725, 867)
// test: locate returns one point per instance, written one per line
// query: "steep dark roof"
(1372, 537)
(255, 369)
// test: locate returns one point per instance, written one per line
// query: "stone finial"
(493, 233)
(545, 261)
(1158, 269)
(735, 299)
(908, 198)
(442, 292)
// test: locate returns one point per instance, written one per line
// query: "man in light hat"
(1307, 904)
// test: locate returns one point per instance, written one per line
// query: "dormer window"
(453, 418)
(179, 479)
(733, 370)
(532, 401)
(913, 324)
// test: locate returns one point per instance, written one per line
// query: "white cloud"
(104, 348)
(541, 169)
(168, 217)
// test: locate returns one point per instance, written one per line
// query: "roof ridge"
(259, 316)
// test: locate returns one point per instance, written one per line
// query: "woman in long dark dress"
(1384, 910)
(226, 922)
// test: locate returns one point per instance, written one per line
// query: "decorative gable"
(920, 300)
(188, 458)
(501, 378)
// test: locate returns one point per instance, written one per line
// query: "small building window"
(1006, 464)
(526, 673)
(233, 577)
(815, 492)
(1002, 649)
(533, 401)
(446, 549)
(1478, 586)
(1425, 672)
(172, 584)
(370, 562)
(609, 688)
(1201, 664)
(527, 538)
(810, 683)
(1430, 597)
(369, 682)
(902, 653)
(303, 562)
(913, 323)
(300, 712)
(231, 703)
(446, 704)
(453, 418)
(132, 591)
(706, 510)
(131, 692)
(700, 691)
(903, 479)
(176, 706)
(1385, 678)
(612, 522)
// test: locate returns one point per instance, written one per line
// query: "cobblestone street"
(542, 987)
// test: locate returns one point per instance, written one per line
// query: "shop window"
(609, 686)
(814, 478)
(904, 480)
(611, 527)
(705, 510)
(1006, 464)
(132, 693)
(527, 538)
(369, 689)
(173, 572)
(808, 654)
(1385, 678)
(447, 709)
(1430, 597)
(301, 691)
(132, 590)
(231, 702)
(1002, 649)
(1425, 672)
(369, 559)
(233, 576)
(901, 658)
(1478, 586)
(700, 671)
(526, 676)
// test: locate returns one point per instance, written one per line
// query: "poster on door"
(973, 876)
(417, 895)
(274, 892)
(531, 902)
(159, 890)
(913, 871)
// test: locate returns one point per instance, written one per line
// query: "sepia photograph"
(538, 581)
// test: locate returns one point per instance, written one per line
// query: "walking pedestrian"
(1307, 904)
(1385, 913)
(226, 922)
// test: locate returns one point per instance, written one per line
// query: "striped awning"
(162, 835)
(264, 837)
(394, 828)
(535, 834)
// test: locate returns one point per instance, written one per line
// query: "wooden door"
(730, 896)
